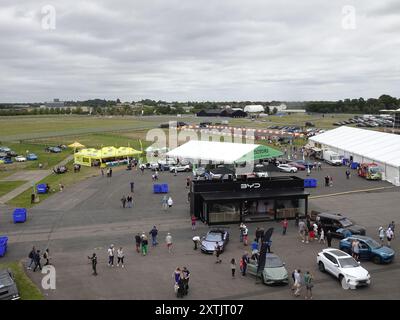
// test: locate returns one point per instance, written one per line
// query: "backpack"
(31, 255)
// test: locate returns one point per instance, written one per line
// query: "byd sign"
(250, 186)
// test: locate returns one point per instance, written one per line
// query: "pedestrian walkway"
(32, 177)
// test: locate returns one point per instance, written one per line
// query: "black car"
(12, 153)
(336, 223)
(8, 287)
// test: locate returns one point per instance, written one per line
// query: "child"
(233, 267)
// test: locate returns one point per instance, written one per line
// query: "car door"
(365, 251)
(328, 263)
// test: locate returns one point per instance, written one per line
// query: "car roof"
(5, 278)
(336, 216)
(336, 252)
(365, 238)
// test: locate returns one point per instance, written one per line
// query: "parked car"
(6, 160)
(53, 149)
(209, 241)
(20, 159)
(31, 157)
(5, 149)
(168, 161)
(12, 153)
(199, 172)
(287, 168)
(305, 163)
(274, 271)
(8, 287)
(369, 249)
(343, 267)
(297, 165)
(60, 169)
(340, 226)
(180, 168)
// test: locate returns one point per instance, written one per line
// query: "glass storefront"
(290, 208)
(223, 212)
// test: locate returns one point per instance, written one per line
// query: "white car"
(170, 162)
(343, 266)
(260, 172)
(287, 168)
(180, 168)
(20, 159)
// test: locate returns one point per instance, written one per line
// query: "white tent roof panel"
(379, 146)
(212, 151)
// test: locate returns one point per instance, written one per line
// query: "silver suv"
(8, 287)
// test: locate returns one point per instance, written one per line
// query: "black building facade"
(248, 200)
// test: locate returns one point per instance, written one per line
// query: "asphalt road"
(88, 217)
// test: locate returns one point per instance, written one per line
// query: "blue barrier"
(3, 246)
(19, 215)
(310, 183)
(345, 161)
(41, 188)
(160, 188)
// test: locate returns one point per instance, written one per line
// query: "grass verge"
(7, 186)
(27, 289)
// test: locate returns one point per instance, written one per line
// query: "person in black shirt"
(93, 258)
(138, 240)
(329, 238)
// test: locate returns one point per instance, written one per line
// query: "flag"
(263, 251)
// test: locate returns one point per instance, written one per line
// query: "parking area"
(88, 217)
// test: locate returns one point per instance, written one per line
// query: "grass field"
(66, 179)
(7, 186)
(27, 289)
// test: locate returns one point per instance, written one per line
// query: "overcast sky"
(180, 50)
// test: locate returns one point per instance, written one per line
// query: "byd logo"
(250, 186)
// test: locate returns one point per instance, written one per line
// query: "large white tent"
(365, 146)
(226, 152)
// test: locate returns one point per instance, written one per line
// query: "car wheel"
(187, 170)
(321, 267)
(344, 283)
(376, 260)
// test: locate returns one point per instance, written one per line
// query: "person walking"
(168, 241)
(302, 229)
(297, 282)
(145, 243)
(132, 186)
(46, 256)
(123, 201)
(164, 203)
(233, 267)
(330, 181)
(241, 228)
(391, 226)
(193, 219)
(154, 232)
(120, 257)
(347, 174)
(308, 171)
(129, 201)
(355, 249)
(102, 174)
(327, 181)
(245, 235)
(381, 234)
(110, 172)
(322, 236)
(31, 256)
(93, 259)
(308, 281)
(217, 252)
(245, 261)
(170, 202)
(389, 236)
(329, 238)
(138, 241)
(111, 252)
(37, 261)
(285, 224)
(187, 182)
(259, 234)
(186, 278)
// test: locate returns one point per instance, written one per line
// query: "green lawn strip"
(27, 289)
(67, 179)
(7, 186)
(5, 171)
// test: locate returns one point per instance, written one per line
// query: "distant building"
(254, 108)
(279, 107)
(55, 104)
(222, 113)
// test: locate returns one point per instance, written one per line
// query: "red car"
(297, 165)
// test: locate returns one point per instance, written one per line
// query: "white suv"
(343, 266)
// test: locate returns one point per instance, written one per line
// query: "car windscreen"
(375, 169)
(348, 262)
(345, 222)
(373, 244)
(214, 237)
(5, 281)
(273, 262)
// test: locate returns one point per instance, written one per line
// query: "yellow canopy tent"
(87, 157)
(76, 145)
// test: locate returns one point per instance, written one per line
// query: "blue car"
(369, 249)
(31, 157)
(6, 160)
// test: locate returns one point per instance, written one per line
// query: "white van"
(332, 158)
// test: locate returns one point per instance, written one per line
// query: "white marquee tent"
(226, 152)
(364, 146)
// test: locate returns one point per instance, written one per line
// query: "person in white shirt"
(168, 240)
(111, 252)
(389, 236)
(322, 236)
(381, 233)
(170, 202)
(120, 256)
